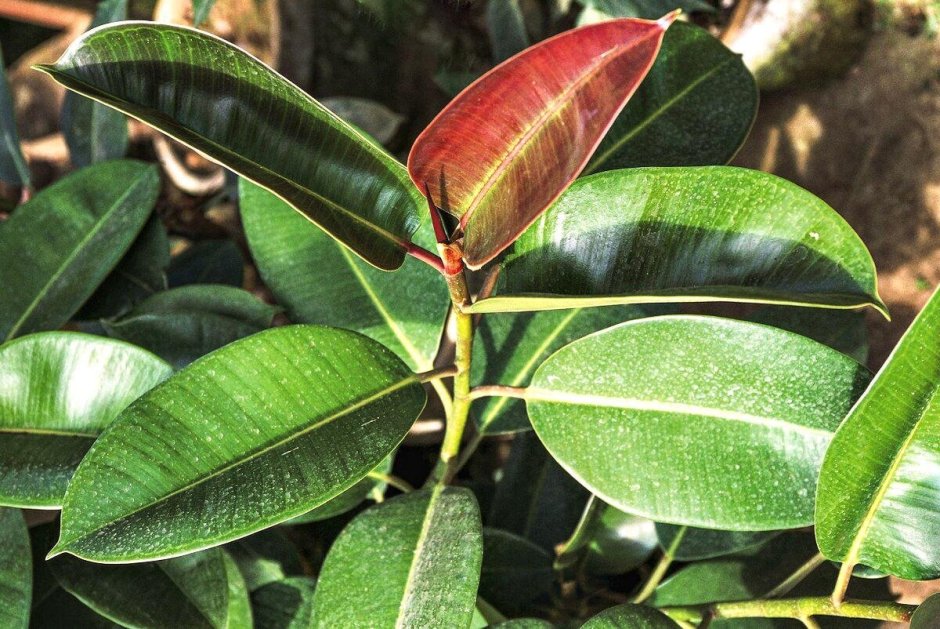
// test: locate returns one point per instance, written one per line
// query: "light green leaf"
(94, 132)
(507, 348)
(843, 330)
(16, 574)
(190, 591)
(183, 324)
(694, 108)
(253, 434)
(58, 391)
(880, 480)
(201, 10)
(285, 604)
(59, 247)
(13, 168)
(318, 281)
(656, 235)
(681, 418)
(214, 97)
(515, 572)
(630, 617)
(412, 561)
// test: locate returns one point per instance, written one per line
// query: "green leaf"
(535, 497)
(843, 330)
(16, 574)
(697, 544)
(318, 281)
(620, 542)
(622, 408)
(505, 23)
(370, 485)
(139, 274)
(183, 324)
(285, 604)
(412, 561)
(201, 10)
(515, 572)
(13, 168)
(656, 235)
(253, 434)
(648, 9)
(59, 247)
(880, 479)
(630, 617)
(58, 391)
(190, 591)
(209, 262)
(265, 557)
(524, 623)
(507, 349)
(219, 100)
(694, 108)
(927, 614)
(94, 132)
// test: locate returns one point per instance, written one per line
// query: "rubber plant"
(549, 225)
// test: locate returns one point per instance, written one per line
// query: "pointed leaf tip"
(667, 20)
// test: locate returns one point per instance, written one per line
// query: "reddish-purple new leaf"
(507, 146)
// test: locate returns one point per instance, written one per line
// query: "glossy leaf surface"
(319, 281)
(697, 544)
(694, 108)
(620, 542)
(13, 168)
(183, 324)
(879, 483)
(58, 391)
(507, 348)
(617, 409)
(258, 432)
(226, 104)
(843, 330)
(369, 487)
(630, 617)
(515, 572)
(285, 604)
(189, 591)
(509, 144)
(76, 230)
(16, 572)
(412, 561)
(94, 132)
(686, 234)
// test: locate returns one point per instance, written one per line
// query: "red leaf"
(507, 146)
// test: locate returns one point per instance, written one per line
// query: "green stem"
(570, 552)
(660, 570)
(796, 608)
(842, 583)
(394, 481)
(460, 410)
(497, 390)
(797, 577)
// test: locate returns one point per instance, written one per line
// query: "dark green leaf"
(535, 497)
(506, 25)
(697, 544)
(713, 233)
(58, 391)
(630, 617)
(16, 575)
(523, 623)
(285, 604)
(190, 591)
(182, 324)
(880, 480)
(515, 571)
(647, 9)
(375, 120)
(139, 274)
(94, 132)
(620, 542)
(318, 281)
(508, 347)
(59, 247)
(927, 615)
(843, 330)
(219, 100)
(694, 108)
(265, 557)
(412, 561)
(680, 418)
(370, 486)
(256, 433)
(13, 168)
(208, 262)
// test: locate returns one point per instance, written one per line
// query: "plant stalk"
(570, 551)
(660, 570)
(460, 411)
(797, 577)
(796, 608)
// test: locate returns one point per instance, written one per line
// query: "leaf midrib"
(29, 430)
(392, 388)
(536, 394)
(419, 548)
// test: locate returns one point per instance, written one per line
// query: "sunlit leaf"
(843, 330)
